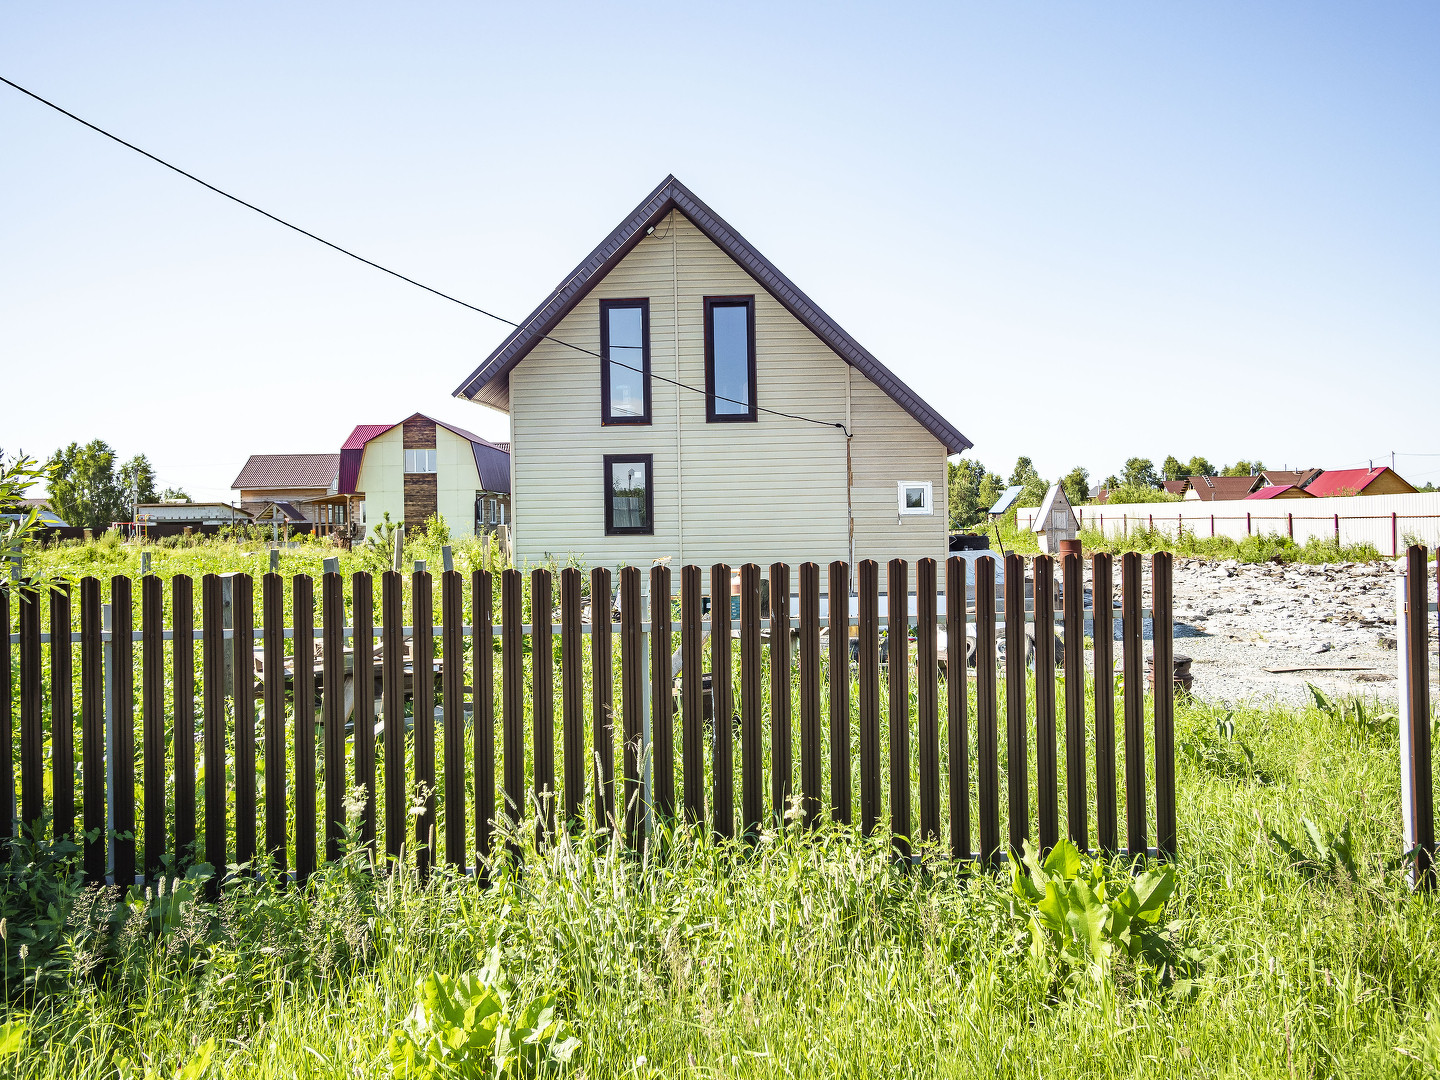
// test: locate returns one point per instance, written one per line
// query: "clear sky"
(1081, 231)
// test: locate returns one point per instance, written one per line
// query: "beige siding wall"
(773, 490)
(382, 479)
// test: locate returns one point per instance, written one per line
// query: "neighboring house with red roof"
(1221, 488)
(423, 467)
(297, 480)
(678, 396)
(1280, 491)
(1381, 481)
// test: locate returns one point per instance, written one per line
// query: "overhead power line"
(395, 273)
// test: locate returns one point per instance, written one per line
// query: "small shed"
(1055, 521)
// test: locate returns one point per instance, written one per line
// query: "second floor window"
(419, 461)
(625, 363)
(729, 358)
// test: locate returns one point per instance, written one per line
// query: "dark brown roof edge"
(671, 194)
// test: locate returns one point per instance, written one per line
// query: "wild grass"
(810, 954)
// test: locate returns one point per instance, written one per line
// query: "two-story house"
(677, 395)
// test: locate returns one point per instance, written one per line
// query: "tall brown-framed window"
(629, 493)
(625, 361)
(729, 358)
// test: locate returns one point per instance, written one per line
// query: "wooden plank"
(542, 698)
(897, 639)
(92, 725)
(1163, 636)
(1421, 763)
(392, 689)
(1076, 795)
(422, 662)
(927, 696)
(303, 608)
(572, 694)
(662, 708)
(1102, 594)
(452, 697)
(122, 750)
(752, 761)
(272, 644)
(840, 691)
(1047, 776)
(722, 697)
(512, 706)
(602, 699)
(362, 604)
(332, 660)
(482, 644)
(62, 712)
(213, 651)
(868, 665)
(632, 705)
(152, 717)
(1133, 660)
(782, 757)
(242, 615)
(692, 694)
(32, 712)
(957, 708)
(1017, 753)
(987, 719)
(182, 724)
(811, 769)
(7, 726)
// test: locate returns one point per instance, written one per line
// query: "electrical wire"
(395, 273)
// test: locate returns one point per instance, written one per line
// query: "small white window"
(419, 461)
(493, 519)
(915, 498)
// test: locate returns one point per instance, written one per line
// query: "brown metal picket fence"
(402, 659)
(1417, 777)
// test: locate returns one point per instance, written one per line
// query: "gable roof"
(288, 471)
(1336, 481)
(1297, 477)
(1278, 491)
(1054, 499)
(1007, 499)
(1175, 487)
(489, 384)
(492, 460)
(1223, 488)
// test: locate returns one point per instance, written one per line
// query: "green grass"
(813, 955)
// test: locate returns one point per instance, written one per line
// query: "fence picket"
(1073, 610)
(722, 711)
(542, 698)
(602, 698)
(987, 719)
(1047, 787)
(782, 757)
(182, 725)
(122, 750)
(662, 708)
(242, 609)
(752, 762)
(482, 645)
(512, 707)
(303, 606)
(7, 723)
(62, 712)
(152, 716)
(211, 600)
(1161, 590)
(811, 769)
(332, 663)
(392, 689)
(452, 699)
(272, 644)
(692, 694)
(1102, 600)
(1417, 667)
(957, 707)
(92, 726)
(422, 707)
(840, 691)
(1136, 831)
(868, 664)
(32, 711)
(927, 697)
(1017, 754)
(362, 617)
(897, 645)
(572, 693)
(632, 704)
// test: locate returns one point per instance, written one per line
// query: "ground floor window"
(629, 494)
(915, 497)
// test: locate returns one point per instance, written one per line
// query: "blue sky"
(1082, 232)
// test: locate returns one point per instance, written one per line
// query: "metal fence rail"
(291, 697)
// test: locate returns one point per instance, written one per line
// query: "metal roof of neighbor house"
(1340, 481)
(1007, 499)
(1223, 488)
(1274, 491)
(1175, 487)
(1297, 477)
(673, 195)
(288, 471)
(492, 460)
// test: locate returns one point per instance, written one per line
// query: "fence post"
(1337, 530)
(1416, 777)
(1290, 525)
(1394, 534)
(1247, 523)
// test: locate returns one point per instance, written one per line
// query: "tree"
(175, 494)
(1243, 468)
(1198, 466)
(84, 489)
(1077, 485)
(1140, 472)
(1173, 469)
(991, 488)
(21, 527)
(1026, 476)
(966, 476)
(137, 481)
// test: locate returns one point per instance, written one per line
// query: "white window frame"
(910, 511)
(415, 465)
